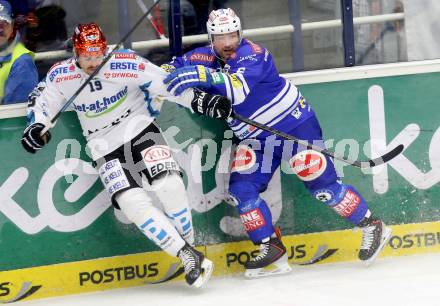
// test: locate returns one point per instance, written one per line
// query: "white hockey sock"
(137, 206)
(171, 192)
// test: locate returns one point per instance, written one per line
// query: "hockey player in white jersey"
(116, 111)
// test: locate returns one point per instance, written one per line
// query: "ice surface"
(399, 281)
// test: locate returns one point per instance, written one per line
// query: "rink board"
(57, 223)
(154, 267)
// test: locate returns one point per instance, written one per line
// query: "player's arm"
(199, 102)
(176, 62)
(43, 102)
(235, 85)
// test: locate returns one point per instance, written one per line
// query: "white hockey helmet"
(223, 21)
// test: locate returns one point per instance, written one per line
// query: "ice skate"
(198, 269)
(272, 259)
(375, 235)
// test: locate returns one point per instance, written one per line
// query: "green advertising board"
(54, 209)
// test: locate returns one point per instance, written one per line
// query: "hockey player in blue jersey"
(245, 72)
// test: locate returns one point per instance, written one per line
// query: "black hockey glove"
(31, 140)
(214, 106)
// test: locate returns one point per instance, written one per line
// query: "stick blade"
(381, 159)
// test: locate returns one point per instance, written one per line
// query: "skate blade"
(208, 267)
(386, 237)
(281, 266)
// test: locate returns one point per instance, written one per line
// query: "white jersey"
(116, 105)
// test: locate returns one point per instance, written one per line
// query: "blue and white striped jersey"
(257, 91)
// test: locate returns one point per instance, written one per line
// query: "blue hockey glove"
(31, 140)
(168, 68)
(188, 77)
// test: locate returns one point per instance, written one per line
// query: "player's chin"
(227, 54)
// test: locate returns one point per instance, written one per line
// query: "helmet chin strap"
(215, 53)
(75, 56)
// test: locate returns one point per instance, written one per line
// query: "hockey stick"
(357, 163)
(105, 60)
(156, 22)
